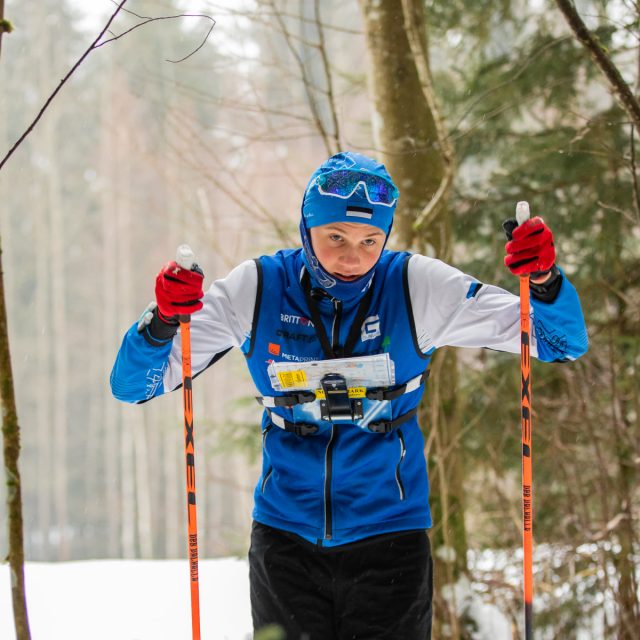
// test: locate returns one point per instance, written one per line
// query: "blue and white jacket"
(343, 483)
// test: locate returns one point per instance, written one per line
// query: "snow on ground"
(130, 600)
(490, 622)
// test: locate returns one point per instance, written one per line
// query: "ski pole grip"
(522, 211)
(185, 258)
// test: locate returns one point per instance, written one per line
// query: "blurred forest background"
(139, 154)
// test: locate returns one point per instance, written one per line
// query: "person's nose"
(350, 256)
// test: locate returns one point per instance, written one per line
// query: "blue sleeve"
(137, 374)
(560, 329)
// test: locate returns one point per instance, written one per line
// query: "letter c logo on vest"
(370, 328)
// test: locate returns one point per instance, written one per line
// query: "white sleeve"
(225, 321)
(451, 308)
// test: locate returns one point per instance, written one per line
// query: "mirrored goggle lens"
(344, 183)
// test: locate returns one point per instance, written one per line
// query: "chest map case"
(340, 386)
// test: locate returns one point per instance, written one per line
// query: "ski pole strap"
(301, 429)
(386, 393)
(387, 426)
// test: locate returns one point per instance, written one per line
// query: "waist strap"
(300, 429)
(389, 425)
(305, 429)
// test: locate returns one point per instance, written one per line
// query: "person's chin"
(346, 278)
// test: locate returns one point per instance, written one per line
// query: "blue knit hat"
(319, 208)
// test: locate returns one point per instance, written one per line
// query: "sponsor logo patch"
(291, 319)
(294, 358)
(274, 349)
(370, 328)
(292, 335)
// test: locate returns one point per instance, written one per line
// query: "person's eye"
(369, 242)
(334, 237)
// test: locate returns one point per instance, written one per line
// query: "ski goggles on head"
(344, 183)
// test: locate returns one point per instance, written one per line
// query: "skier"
(339, 547)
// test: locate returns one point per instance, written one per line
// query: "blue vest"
(343, 482)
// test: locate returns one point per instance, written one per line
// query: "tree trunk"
(143, 489)
(173, 507)
(409, 138)
(58, 310)
(624, 442)
(129, 415)
(11, 455)
(404, 128)
(44, 379)
(109, 316)
(11, 450)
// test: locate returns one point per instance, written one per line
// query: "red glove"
(178, 291)
(530, 248)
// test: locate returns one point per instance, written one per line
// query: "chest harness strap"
(335, 351)
(302, 397)
(312, 296)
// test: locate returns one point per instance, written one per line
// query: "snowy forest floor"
(130, 600)
(149, 600)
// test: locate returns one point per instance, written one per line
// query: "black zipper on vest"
(265, 433)
(332, 349)
(328, 469)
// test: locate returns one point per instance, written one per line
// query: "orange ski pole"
(522, 214)
(185, 260)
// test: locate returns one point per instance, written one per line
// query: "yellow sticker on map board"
(290, 379)
(354, 392)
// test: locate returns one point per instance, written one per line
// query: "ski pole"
(185, 259)
(522, 214)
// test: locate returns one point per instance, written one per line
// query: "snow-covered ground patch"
(130, 600)
(489, 623)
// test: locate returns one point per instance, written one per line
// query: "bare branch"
(634, 174)
(148, 20)
(94, 45)
(305, 80)
(266, 20)
(510, 80)
(620, 88)
(327, 73)
(622, 212)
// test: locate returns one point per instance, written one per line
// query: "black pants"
(375, 589)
